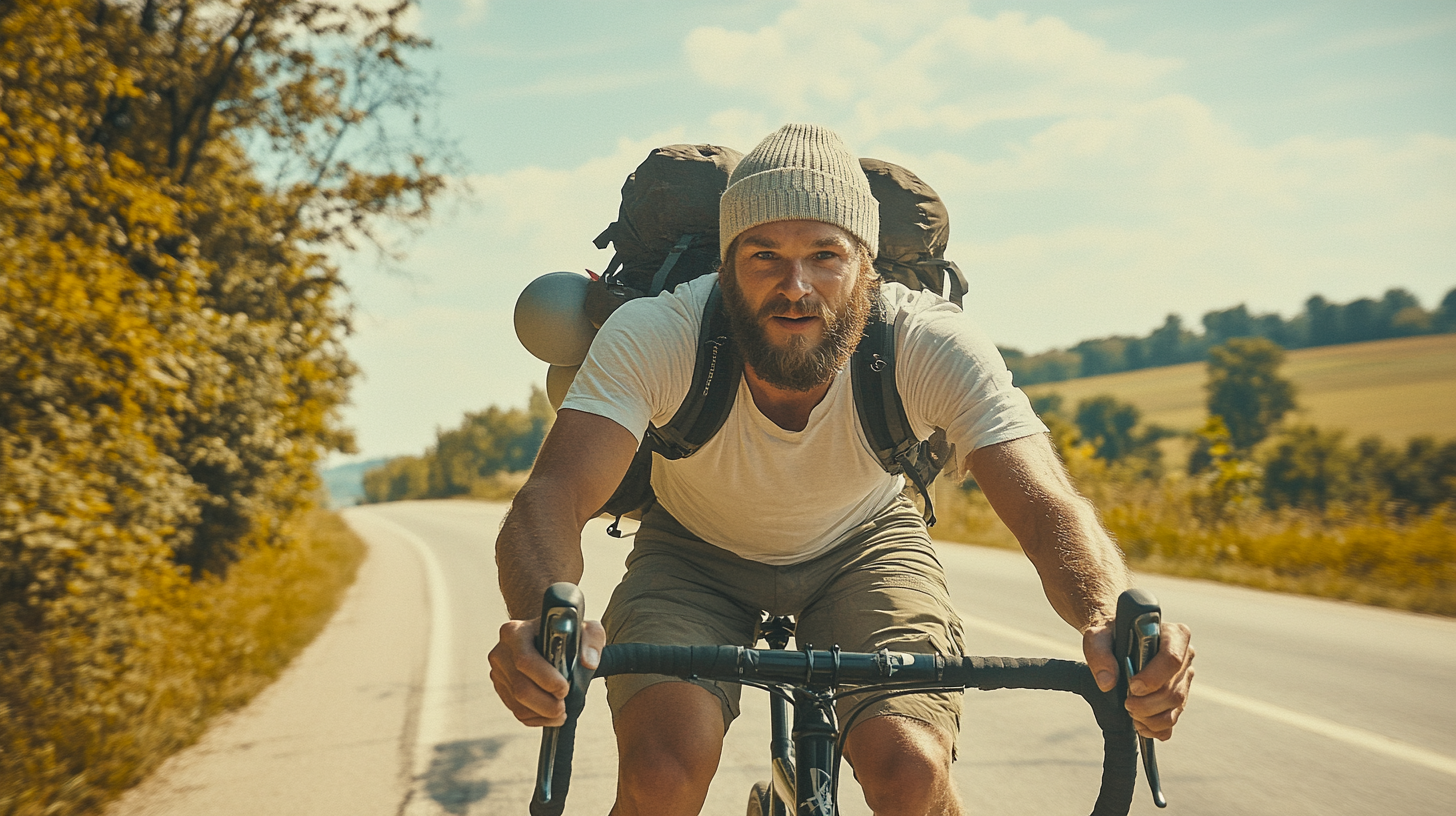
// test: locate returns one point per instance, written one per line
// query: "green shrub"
(88, 710)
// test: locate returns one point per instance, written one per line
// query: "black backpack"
(666, 233)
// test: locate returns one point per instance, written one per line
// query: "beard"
(800, 364)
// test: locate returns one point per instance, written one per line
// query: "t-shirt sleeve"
(640, 364)
(952, 376)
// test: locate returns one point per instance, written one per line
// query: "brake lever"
(1135, 641)
(560, 643)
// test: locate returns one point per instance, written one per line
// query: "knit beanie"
(799, 171)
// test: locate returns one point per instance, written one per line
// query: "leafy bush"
(171, 360)
(89, 709)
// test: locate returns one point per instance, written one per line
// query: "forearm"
(1082, 571)
(538, 545)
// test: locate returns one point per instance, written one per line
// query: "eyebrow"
(767, 243)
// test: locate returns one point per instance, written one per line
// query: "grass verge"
(74, 736)
(1363, 555)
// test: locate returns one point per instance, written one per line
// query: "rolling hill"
(1394, 388)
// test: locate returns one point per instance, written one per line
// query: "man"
(786, 509)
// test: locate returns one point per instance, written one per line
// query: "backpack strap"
(882, 413)
(715, 385)
(716, 373)
(659, 281)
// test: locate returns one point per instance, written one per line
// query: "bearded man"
(786, 508)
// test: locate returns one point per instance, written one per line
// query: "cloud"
(896, 67)
(441, 340)
(1088, 195)
(472, 12)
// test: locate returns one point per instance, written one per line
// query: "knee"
(667, 769)
(903, 765)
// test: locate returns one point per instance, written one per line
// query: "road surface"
(1300, 707)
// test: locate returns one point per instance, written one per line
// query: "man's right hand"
(530, 686)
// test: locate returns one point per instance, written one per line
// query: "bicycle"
(805, 758)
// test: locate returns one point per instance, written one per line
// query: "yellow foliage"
(171, 365)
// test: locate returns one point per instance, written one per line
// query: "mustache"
(781, 306)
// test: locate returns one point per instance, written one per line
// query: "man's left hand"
(1157, 695)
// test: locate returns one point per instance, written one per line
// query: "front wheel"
(760, 799)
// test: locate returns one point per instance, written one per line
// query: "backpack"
(666, 233)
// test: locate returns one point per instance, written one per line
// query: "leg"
(667, 770)
(903, 765)
(677, 590)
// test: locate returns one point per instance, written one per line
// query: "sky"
(1104, 165)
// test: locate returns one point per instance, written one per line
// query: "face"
(798, 294)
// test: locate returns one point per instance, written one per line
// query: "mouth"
(794, 322)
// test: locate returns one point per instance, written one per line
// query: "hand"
(529, 685)
(1156, 695)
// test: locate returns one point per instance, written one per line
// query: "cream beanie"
(799, 171)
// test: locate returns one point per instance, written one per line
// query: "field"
(1394, 388)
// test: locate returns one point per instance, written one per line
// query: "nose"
(795, 284)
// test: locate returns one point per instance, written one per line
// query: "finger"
(522, 712)
(594, 638)
(525, 657)
(1155, 714)
(1097, 651)
(527, 702)
(1175, 653)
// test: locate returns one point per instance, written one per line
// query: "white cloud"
(441, 341)
(1115, 199)
(898, 67)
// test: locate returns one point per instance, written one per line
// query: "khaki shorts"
(880, 588)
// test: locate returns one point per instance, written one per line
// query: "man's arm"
(1082, 571)
(580, 464)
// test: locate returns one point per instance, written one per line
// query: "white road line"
(430, 725)
(1358, 737)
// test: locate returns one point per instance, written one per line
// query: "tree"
(1108, 425)
(173, 174)
(488, 443)
(1307, 467)
(1324, 321)
(1168, 343)
(1244, 389)
(1444, 318)
(1220, 326)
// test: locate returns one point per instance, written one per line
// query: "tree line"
(1322, 323)
(173, 174)
(1244, 451)
(469, 459)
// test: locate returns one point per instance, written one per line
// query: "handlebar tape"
(565, 746)
(717, 662)
(1119, 740)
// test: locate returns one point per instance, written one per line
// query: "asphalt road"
(1300, 706)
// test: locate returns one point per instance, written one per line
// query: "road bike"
(805, 756)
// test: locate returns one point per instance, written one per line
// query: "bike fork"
(781, 751)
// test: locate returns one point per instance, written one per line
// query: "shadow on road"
(457, 775)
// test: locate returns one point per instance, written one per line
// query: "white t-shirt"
(777, 496)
